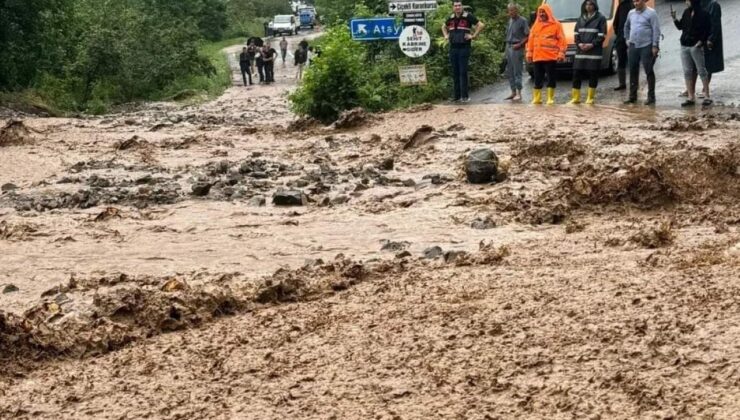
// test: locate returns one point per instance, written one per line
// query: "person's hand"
(447, 37)
(468, 37)
(656, 50)
(580, 46)
(710, 44)
(673, 14)
(529, 59)
(561, 58)
(698, 44)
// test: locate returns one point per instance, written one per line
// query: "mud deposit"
(230, 261)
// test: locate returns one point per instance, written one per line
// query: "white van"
(284, 25)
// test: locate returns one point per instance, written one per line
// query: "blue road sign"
(375, 28)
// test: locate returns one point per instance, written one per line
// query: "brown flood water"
(599, 279)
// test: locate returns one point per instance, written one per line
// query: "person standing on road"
(283, 49)
(460, 29)
(714, 51)
(301, 56)
(245, 66)
(517, 33)
(545, 48)
(642, 30)
(252, 51)
(268, 57)
(261, 66)
(695, 30)
(590, 34)
(620, 18)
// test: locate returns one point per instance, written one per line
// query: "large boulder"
(481, 166)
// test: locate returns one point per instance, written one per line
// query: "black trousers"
(540, 69)
(645, 57)
(270, 71)
(261, 71)
(460, 60)
(246, 73)
(621, 53)
(591, 75)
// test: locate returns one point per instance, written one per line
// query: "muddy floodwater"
(230, 261)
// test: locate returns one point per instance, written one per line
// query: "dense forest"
(85, 55)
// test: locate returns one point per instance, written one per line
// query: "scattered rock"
(387, 164)
(392, 246)
(289, 198)
(340, 199)
(403, 254)
(352, 118)
(481, 166)
(409, 183)
(452, 256)
(8, 187)
(423, 135)
(201, 189)
(257, 201)
(433, 253)
(107, 214)
(14, 133)
(10, 288)
(483, 223)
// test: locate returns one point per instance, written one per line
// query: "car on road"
(568, 12)
(284, 25)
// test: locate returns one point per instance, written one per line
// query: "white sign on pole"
(414, 41)
(412, 75)
(401, 6)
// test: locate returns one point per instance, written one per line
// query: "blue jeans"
(459, 59)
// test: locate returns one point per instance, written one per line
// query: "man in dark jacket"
(460, 29)
(620, 18)
(590, 34)
(245, 65)
(714, 52)
(695, 30)
(268, 57)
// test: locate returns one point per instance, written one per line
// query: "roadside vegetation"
(89, 55)
(350, 74)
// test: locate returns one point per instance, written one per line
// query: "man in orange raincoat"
(546, 46)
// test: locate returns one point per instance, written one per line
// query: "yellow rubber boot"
(591, 96)
(537, 97)
(551, 96)
(575, 97)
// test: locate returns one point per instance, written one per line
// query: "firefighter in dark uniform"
(460, 29)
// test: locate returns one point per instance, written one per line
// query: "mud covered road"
(149, 270)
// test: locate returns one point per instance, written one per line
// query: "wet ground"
(669, 72)
(230, 261)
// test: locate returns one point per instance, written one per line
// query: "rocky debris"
(352, 118)
(433, 253)
(289, 198)
(386, 164)
(393, 246)
(451, 257)
(16, 232)
(10, 288)
(437, 179)
(257, 201)
(483, 223)
(133, 143)
(14, 133)
(201, 189)
(8, 187)
(655, 236)
(303, 124)
(107, 214)
(481, 166)
(573, 226)
(423, 135)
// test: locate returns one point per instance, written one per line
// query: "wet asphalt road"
(725, 86)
